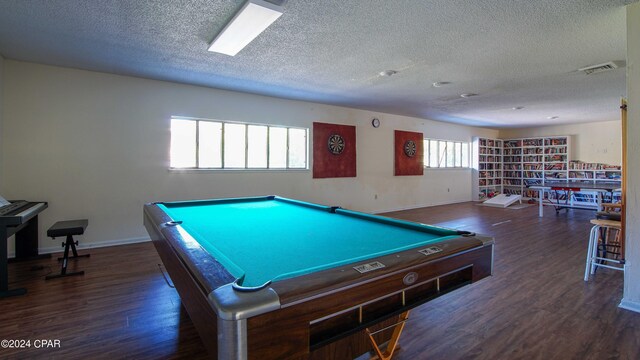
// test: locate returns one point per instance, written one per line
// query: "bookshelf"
(594, 173)
(506, 166)
(513, 167)
(487, 173)
(534, 159)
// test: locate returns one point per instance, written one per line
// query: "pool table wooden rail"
(192, 286)
(397, 265)
(210, 273)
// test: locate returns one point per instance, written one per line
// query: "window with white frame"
(446, 154)
(210, 144)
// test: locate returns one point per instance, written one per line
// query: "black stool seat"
(68, 228)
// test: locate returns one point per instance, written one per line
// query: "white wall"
(599, 142)
(95, 146)
(631, 299)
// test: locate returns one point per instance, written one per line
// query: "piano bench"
(68, 228)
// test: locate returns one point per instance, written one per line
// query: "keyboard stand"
(27, 243)
(4, 268)
(24, 225)
(13, 292)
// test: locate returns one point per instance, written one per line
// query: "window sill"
(447, 168)
(200, 171)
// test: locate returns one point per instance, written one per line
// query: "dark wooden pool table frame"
(319, 315)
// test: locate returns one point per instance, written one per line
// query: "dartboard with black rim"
(410, 148)
(335, 144)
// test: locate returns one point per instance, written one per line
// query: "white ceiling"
(510, 52)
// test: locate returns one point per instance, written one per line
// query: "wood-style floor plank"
(536, 306)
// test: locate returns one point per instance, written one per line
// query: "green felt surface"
(265, 240)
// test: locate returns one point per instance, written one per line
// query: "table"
(569, 187)
(275, 278)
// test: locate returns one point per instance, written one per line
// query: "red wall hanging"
(409, 153)
(334, 150)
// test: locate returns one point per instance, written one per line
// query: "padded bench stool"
(68, 228)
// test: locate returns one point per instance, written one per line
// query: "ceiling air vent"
(599, 68)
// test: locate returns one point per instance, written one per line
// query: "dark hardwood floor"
(536, 306)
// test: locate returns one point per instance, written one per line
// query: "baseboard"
(420, 206)
(630, 305)
(55, 249)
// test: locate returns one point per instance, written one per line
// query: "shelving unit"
(487, 168)
(513, 167)
(594, 173)
(506, 166)
(581, 171)
(534, 159)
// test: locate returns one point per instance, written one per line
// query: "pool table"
(276, 278)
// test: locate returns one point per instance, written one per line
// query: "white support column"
(631, 298)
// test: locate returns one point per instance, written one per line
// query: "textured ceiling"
(510, 52)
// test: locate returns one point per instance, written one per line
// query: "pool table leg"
(232, 339)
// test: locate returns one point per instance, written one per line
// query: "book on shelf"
(533, 174)
(512, 143)
(559, 166)
(532, 142)
(578, 175)
(556, 150)
(613, 175)
(549, 158)
(532, 166)
(555, 141)
(580, 165)
(532, 151)
(532, 158)
(555, 175)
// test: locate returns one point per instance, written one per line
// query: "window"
(446, 154)
(204, 144)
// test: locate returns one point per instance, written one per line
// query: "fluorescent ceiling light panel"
(254, 17)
